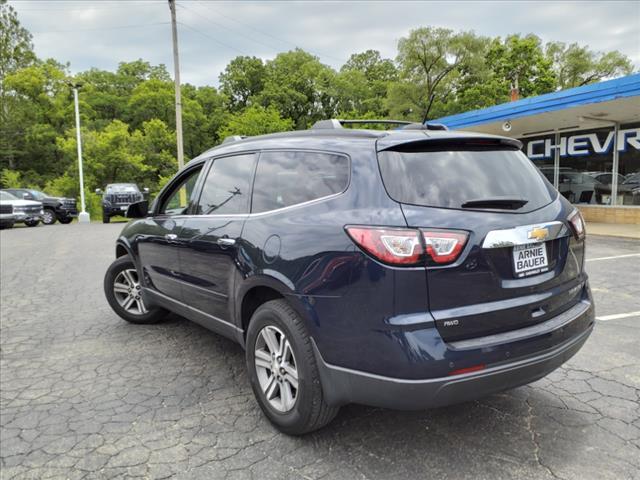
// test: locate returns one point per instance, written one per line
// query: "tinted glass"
(289, 178)
(37, 195)
(177, 201)
(122, 188)
(7, 196)
(228, 185)
(450, 178)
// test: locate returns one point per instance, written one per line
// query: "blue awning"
(609, 90)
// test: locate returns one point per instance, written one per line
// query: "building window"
(585, 174)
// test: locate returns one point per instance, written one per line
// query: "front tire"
(123, 291)
(105, 218)
(283, 372)
(32, 223)
(49, 217)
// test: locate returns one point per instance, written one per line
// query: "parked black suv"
(55, 208)
(117, 197)
(405, 269)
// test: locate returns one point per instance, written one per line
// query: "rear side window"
(226, 190)
(284, 179)
(452, 178)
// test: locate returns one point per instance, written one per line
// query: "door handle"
(226, 241)
(171, 237)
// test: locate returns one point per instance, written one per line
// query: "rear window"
(289, 178)
(451, 178)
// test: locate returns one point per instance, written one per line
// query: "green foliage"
(575, 65)
(10, 178)
(243, 79)
(299, 87)
(521, 61)
(128, 115)
(255, 120)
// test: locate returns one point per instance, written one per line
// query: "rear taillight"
(577, 224)
(389, 245)
(444, 246)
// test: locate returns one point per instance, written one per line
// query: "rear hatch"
(521, 263)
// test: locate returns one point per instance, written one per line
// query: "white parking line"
(611, 258)
(618, 316)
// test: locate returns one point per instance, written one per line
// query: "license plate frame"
(530, 259)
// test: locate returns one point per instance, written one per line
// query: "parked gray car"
(15, 210)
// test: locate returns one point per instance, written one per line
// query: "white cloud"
(86, 33)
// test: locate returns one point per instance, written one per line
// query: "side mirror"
(138, 209)
(145, 190)
(98, 191)
(26, 196)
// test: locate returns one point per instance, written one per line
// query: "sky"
(103, 33)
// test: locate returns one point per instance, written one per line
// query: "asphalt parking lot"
(85, 395)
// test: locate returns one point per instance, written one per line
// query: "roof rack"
(233, 138)
(403, 125)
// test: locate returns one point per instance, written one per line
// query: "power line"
(91, 7)
(212, 38)
(270, 35)
(117, 27)
(210, 20)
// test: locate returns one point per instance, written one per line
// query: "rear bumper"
(342, 385)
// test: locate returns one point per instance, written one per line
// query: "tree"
(39, 108)
(430, 60)
(299, 87)
(521, 61)
(255, 120)
(16, 52)
(109, 155)
(376, 73)
(16, 47)
(575, 65)
(243, 79)
(374, 67)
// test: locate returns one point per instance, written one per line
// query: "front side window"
(37, 195)
(288, 178)
(226, 190)
(176, 201)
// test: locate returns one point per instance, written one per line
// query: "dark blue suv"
(406, 268)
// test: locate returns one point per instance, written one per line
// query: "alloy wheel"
(47, 217)
(276, 368)
(126, 288)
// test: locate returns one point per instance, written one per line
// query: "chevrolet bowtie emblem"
(538, 233)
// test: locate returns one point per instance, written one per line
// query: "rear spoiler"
(450, 142)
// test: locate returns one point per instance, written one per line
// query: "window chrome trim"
(269, 212)
(521, 235)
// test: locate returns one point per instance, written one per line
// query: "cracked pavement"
(83, 394)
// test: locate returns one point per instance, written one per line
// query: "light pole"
(83, 217)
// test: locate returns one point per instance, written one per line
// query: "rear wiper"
(496, 202)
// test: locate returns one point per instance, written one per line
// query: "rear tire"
(7, 225)
(122, 289)
(32, 223)
(302, 409)
(65, 220)
(49, 217)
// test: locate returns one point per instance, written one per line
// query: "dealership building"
(586, 141)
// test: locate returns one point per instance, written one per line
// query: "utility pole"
(83, 217)
(176, 68)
